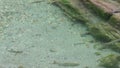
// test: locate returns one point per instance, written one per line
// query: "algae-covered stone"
(107, 34)
(115, 20)
(102, 30)
(71, 11)
(110, 61)
(101, 7)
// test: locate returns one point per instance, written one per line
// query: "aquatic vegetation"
(71, 12)
(115, 20)
(110, 61)
(85, 34)
(99, 34)
(97, 53)
(106, 10)
(102, 30)
(97, 9)
(65, 1)
(37, 41)
(112, 42)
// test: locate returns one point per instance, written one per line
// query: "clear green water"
(35, 35)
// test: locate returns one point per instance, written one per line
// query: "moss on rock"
(102, 31)
(115, 20)
(98, 10)
(72, 12)
(110, 61)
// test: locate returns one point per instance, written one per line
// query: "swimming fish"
(66, 64)
(36, 1)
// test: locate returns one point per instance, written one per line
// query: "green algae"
(108, 16)
(97, 10)
(99, 34)
(115, 21)
(112, 42)
(110, 61)
(72, 12)
(65, 1)
(97, 53)
(102, 30)
(39, 48)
